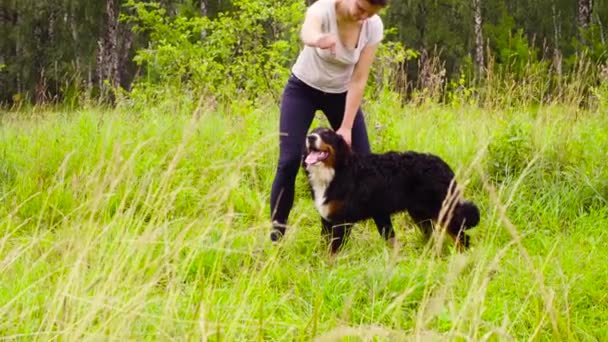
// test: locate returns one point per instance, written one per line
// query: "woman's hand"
(327, 41)
(346, 134)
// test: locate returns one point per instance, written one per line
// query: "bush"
(246, 51)
(510, 151)
(601, 91)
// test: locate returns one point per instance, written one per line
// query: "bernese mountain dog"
(348, 188)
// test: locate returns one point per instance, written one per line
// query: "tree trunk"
(3, 16)
(19, 52)
(3, 23)
(557, 30)
(203, 8)
(479, 58)
(72, 23)
(169, 6)
(52, 24)
(584, 13)
(40, 37)
(107, 53)
(583, 20)
(73, 29)
(124, 56)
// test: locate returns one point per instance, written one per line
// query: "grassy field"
(153, 225)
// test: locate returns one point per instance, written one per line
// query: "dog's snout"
(311, 140)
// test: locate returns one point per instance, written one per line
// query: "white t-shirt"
(330, 73)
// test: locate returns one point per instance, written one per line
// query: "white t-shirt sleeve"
(319, 10)
(375, 30)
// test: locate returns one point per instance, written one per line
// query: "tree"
(583, 20)
(479, 58)
(107, 53)
(557, 55)
(584, 13)
(204, 11)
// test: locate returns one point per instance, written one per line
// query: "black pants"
(298, 106)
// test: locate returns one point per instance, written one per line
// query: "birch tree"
(477, 17)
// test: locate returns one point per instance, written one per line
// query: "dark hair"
(378, 2)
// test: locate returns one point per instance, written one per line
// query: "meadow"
(153, 223)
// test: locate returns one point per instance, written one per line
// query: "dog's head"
(325, 147)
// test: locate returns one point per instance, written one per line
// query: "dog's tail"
(466, 215)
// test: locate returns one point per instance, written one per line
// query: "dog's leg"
(326, 230)
(385, 227)
(424, 223)
(335, 235)
(340, 234)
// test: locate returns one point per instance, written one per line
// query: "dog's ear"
(341, 143)
(343, 151)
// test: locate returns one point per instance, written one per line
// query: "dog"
(347, 188)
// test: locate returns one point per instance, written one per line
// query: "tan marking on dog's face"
(331, 159)
(319, 151)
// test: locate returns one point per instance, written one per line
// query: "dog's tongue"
(314, 157)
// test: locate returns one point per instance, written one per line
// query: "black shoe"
(277, 232)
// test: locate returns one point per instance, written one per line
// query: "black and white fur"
(348, 188)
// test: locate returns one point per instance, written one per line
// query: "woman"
(340, 39)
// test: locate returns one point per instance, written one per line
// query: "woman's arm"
(311, 32)
(356, 89)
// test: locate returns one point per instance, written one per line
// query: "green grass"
(154, 225)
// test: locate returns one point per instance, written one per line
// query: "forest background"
(72, 51)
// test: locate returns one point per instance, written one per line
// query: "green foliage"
(513, 50)
(388, 72)
(601, 91)
(246, 51)
(461, 92)
(510, 151)
(47, 46)
(591, 44)
(244, 48)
